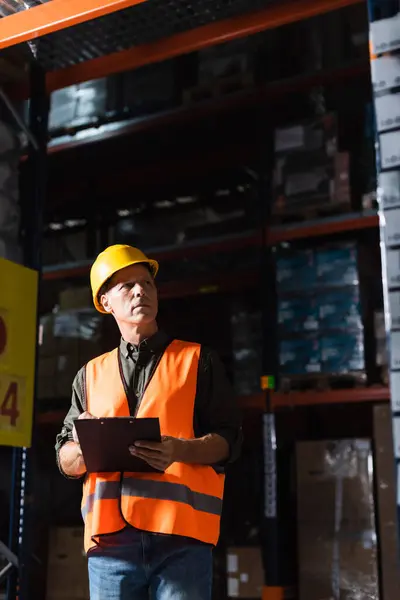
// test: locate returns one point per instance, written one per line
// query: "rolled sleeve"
(216, 408)
(77, 408)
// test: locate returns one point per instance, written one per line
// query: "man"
(151, 535)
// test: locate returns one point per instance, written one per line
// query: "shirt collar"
(152, 344)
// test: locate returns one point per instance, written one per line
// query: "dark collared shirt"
(216, 410)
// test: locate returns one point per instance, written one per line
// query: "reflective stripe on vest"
(186, 499)
(161, 490)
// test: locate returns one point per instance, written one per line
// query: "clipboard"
(105, 443)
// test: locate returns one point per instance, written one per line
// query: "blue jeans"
(136, 565)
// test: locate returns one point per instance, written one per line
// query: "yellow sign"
(18, 335)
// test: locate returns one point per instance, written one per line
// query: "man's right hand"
(84, 415)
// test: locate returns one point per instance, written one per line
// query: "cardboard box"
(393, 267)
(309, 172)
(386, 494)
(296, 271)
(392, 228)
(47, 376)
(387, 111)
(67, 576)
(381, 355)
(298, 313)
(245, 572)
(231, 59)
(299, 356)
(312, 136)
(67, 583)
(314, 185)
(69, 339)
(56, 374)
(389, 188)
(341, 193)
(385, 72)
(66, 543)
(343, 352)
(336, 521)
(340, 309)
(246, 345)
(337, 265)
(337, 568)
(46, 341)
(334, 482)
(149, 89)
(395, 350)
(395, 391)
(78, 105)
(68, 366)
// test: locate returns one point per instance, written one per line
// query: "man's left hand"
(160, 456)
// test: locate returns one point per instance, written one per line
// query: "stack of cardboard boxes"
(319, 311)
(67, 571)
(246, 328)
(245, 573)
(310, 174)
(337, 542)
(68, 338)
(381, 353)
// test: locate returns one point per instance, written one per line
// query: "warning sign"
(18, 335)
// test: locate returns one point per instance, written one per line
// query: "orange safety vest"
(186, 500)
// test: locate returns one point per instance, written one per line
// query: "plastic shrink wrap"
(336, 521)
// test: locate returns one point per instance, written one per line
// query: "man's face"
(132, 296)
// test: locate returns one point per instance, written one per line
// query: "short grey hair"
(104, 289)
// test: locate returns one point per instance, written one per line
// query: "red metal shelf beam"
(67, 272)
(321, 228)
(221, 282)
(279, 400)
(274, 236)
(319, 397)
(316, 398)
(54, 16)
(208, 285)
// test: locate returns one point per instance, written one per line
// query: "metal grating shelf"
(78, 40)
(11, 7)
(141, 24)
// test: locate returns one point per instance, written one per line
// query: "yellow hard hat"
(111, 260)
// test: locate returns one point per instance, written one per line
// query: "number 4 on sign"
(9, 406)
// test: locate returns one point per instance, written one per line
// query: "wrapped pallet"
(67, 571)
(386, 496)
(337, 546)
(68, 339)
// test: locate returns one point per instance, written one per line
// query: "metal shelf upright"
(384, 19)
(22, 510)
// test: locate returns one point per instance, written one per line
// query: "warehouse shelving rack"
(71, 41)
(174, 28)
(248, 98)
(274, 235)
(280, 400)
